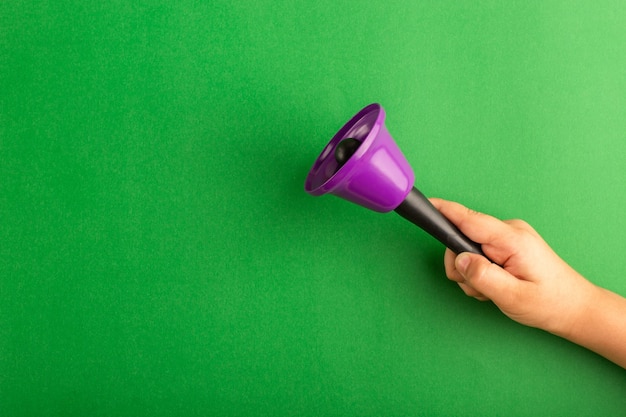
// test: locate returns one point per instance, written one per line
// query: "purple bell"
(363, 164)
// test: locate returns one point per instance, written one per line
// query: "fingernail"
(462, 262)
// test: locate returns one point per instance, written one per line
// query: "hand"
(530, 283)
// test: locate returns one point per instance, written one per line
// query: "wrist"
(579, 311)
(601, 326)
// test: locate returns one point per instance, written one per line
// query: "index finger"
(481, 228)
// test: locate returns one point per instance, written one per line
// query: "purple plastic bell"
(376, 176)
(363, 164)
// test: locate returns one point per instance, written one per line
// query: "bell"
(363, 164)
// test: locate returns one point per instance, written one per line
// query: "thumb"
(487, 278)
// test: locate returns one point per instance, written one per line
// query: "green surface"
(158, 254)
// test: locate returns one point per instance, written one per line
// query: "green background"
(159, 256)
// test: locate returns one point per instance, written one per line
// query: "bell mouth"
(327, 172)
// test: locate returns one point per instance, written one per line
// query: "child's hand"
(534, 286)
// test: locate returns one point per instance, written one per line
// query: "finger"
(450, 267)
(481, 228)
(471, 292)
(489, 279)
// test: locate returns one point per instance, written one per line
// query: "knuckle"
(521, 225)
(522, 231)
(518, 223)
